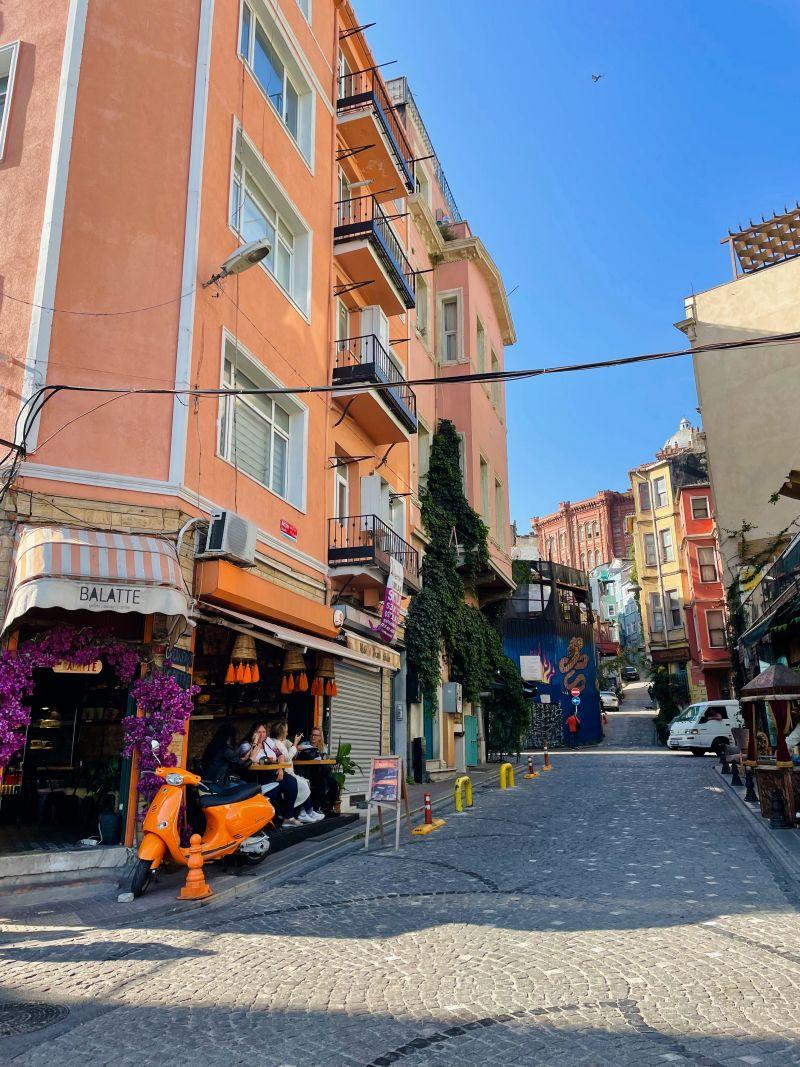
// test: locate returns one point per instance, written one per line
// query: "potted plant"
(343, 767)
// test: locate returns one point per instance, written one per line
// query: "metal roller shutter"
(356, 717)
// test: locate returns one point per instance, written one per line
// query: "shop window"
(261, 437)
(707, 560)
(8, 67)
(278, 74)
(715, 620)
(700, 507)
(259, 209)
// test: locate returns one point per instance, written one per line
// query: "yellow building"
(656, 530)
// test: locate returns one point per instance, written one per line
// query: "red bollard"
(531, 772)
(547, 764)
(428, 812)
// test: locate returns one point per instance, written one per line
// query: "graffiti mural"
(575, 660)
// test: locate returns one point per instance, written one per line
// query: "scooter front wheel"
(142, 876)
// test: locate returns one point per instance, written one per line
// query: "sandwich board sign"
(387, 789)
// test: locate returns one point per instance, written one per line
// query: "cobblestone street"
(614, 911)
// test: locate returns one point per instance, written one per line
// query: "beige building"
(748, 396)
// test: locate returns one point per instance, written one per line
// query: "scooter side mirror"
(154, 745)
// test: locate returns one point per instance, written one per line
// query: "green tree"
(440, 621)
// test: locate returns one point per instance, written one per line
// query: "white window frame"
(12, 52)
(305, 8)
(397, 515)
(650, 559)
(480, 349)
(246, 160)
(293, 74)
(722, 627)
(659, 493)
(499, 514)
(497, 393)
(423, 433)
(666, 548)
(341, 481)
(422, 321)
(297, 436)
(673, 609)
(656, 613)
(441, 299)
(485, 497)
(702, 566)
(704, 501)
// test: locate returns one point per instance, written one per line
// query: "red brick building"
(587, 533)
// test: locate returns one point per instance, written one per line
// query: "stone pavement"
(612, 912)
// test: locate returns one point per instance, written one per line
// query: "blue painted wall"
(569, 658)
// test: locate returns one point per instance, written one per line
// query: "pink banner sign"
(390, 614)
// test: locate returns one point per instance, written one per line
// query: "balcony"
(776, 590)
(370, 127)
(676, 651)
(368, 249)
(360, 545)
(388, 415)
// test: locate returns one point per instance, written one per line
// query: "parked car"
(609, 701)
(630, 674)
(705, 727)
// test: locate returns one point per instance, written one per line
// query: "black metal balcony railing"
(784, 574)
(364, 359)
(365, 87)
(366, 539)
(363, 217)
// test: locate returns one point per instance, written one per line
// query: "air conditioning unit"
(231, 536)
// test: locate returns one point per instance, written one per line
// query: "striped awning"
(94, 570)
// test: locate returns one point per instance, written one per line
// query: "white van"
(705, 727)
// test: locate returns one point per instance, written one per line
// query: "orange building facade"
(139, 148)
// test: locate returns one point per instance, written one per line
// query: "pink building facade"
(587, 533)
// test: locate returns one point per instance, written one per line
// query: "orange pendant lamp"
(324, 683)
(295, 676)
(243, 667)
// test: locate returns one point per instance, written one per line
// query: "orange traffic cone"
(547, 764)
(196, 885)
(531, 772)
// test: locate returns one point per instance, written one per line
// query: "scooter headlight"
(174, 779)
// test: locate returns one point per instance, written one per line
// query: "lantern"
(295, 678)
(324, 683)
(243, 667)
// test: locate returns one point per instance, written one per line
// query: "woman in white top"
(286, 751)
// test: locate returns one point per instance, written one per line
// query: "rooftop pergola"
(766, 243)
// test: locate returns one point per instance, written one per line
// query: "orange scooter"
(234, 820)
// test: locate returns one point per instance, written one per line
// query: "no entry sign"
(575, 692)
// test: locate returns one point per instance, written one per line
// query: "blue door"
(471, 739)
(431, 730)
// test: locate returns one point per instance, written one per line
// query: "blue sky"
(605, 203)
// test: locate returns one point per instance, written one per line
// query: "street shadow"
(99, 952)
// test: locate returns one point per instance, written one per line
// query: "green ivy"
(440, 621)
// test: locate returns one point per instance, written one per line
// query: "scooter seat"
(232, 795)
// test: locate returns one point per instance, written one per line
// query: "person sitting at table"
(325, 790)
(255, 749)
(282, 791)
(221, 760)
(285, 752)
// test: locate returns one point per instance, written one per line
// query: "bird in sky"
(596, 77)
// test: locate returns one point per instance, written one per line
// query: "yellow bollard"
(462, 787)
(506, 776)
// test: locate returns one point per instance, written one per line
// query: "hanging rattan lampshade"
(295, 678)
(243, 668)
(324, 683)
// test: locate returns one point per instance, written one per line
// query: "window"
(644, 496)
(485, 512)
(707, 560)
(562, 547)
(667, 550)
(279, 76)
(715, 620)
(397, 514)
(462, 460)
(700, 507)
(580, 534)
(583, 561)
(305, 7)
(259, 209)
(674, 606)
(423, 454)
(422, 305)
(611, 611)
(650, 550)
(342, 321)
(500, 513)
(450, 347)
(263, 438)
(656, 613)
(8, 67)
(597, 558)
(496, 387)
(423, 184)
(341, 494)
(660, 492)
(480, 348)
(596, 530)
(345, 70)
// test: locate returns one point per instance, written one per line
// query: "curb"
(756, 828)
(301, 865)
